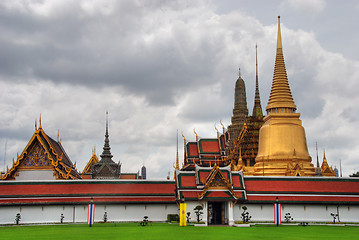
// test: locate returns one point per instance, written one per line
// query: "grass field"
(166, 231)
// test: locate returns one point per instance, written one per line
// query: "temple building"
(106, 168)
(274, 145)
(245, 148)
(43, 158)
(223, 184)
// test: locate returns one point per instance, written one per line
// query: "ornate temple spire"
(280, 96)
(177, 159)
(106, 154)
(257, 108)
(318, 170)
(240, 110)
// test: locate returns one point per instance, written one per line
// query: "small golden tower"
(282, 149)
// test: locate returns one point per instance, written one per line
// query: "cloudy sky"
(158, 66)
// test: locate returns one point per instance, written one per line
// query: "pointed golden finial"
(35, 124)
(324, 158)
(40, 122)
(183, 137)
(194, 130)
(215, 127)
(279, 37)
(58, 135)
(223, 128)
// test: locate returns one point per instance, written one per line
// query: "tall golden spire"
(282, 148)
(177, 160)
(280, 96)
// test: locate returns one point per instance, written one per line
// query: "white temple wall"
(36, 175)
(78, 213)
(299, 212)
(193, 216)
(158, 212)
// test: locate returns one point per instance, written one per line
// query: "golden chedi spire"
(280, 96)
(282, 149)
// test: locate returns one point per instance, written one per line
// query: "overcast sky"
(159, 66)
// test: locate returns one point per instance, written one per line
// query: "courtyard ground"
(167, 231)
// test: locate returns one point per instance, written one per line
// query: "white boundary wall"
(78, 213)
(299, 212)
(158, 212)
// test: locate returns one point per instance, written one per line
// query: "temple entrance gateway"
(217, 213)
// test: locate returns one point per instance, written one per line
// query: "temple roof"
(280, 96)
(106, 168)
(204, 152)
(53, 156)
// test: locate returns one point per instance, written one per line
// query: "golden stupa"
(282, 149)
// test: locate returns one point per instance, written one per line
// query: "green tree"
(354, 175)
(198, 211)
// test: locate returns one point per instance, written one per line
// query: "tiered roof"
(205, 152)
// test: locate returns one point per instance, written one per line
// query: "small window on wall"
(348, 209)
(304, 208)
(261, 207)
(326, 208)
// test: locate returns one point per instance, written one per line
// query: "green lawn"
(166, 231)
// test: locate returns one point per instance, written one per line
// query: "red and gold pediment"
(216, 182)
(36, 158)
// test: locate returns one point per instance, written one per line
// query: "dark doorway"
(215, 213)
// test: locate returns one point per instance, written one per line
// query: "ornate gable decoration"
(217, 182)
(36, 158)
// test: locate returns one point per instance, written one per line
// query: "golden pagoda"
(282, 149)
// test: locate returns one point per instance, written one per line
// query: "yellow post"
(183, 209)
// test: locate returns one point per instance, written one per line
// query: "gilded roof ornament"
(40, 121)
